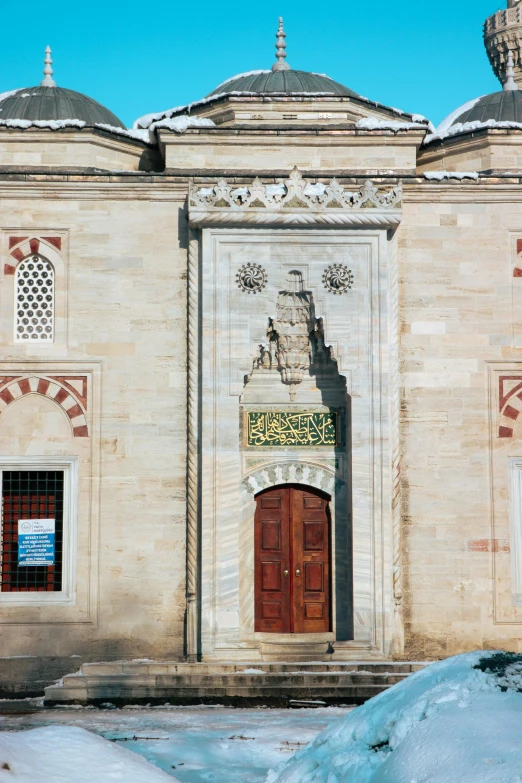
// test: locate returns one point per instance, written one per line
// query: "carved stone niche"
(295, 365)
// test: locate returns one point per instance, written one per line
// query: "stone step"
(277, 684)
(159, 667)
(329, 679)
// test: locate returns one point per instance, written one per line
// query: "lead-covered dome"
(288, 82)
(281, 79)
(505, 106)
(49, 103)
(55, 103)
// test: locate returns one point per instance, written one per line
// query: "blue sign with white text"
(36, 542)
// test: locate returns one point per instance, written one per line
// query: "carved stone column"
(192, 446)
(397, 647)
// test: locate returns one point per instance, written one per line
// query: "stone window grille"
(34, 300)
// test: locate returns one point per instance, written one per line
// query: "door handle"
(297, 572)
(285, 572)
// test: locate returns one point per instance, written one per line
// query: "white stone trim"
(287, 472)
(515, 514)
(69, 465)
(367, 217)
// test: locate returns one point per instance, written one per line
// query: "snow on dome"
(450, 119)
(238, 76)
(456, 720)
(498, 110)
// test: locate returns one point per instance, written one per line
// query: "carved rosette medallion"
(338, 279)
(251, 278)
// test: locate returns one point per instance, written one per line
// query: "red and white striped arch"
(510, 403)
(69, 393)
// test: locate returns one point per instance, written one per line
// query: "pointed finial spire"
(48, 70)
(510, 83)
(280, 65)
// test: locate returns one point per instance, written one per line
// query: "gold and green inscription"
(289, 428)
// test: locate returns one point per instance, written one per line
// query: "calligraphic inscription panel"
(291, 428)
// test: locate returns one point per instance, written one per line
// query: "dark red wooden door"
(292, 561)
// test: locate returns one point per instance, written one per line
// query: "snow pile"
(68, 754)
(467, 127)
(456, 721)
(52, 124)
(440, 175)
(372, 123)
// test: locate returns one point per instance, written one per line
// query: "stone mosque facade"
(261, 375)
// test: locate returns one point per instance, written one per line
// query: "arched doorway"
(292, 560)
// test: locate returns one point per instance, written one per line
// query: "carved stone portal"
(295, 344)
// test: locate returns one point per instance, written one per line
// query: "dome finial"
(48, 70)
(510, 83)
(280, 65)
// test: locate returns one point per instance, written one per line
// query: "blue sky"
(140, 57)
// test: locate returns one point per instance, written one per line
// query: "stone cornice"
(300, 136)
(294, 201)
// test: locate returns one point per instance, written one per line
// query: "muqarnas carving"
(295, 337)
(338, 279)
(251, 278)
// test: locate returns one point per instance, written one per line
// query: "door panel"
(311, 559)
(272, 559)
(292, 561)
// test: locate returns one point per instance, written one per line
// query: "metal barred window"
(34, 300)
(31, 495)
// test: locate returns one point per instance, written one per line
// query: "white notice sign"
(36, 542)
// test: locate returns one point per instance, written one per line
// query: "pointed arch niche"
(22, 250)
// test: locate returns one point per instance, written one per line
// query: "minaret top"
(48, 81)
(280, 65)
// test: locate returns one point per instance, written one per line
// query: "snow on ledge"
(372, 123)
(440, 175)
(181, 123)
(52, 124)
(467, 127)
(140, 135)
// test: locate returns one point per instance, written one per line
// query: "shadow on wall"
(334, 395)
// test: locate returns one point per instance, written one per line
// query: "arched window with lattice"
(34, 300)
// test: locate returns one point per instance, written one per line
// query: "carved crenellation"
(293, 193)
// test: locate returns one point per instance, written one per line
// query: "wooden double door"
(292, 561)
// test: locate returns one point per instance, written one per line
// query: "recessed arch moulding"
(233, 370)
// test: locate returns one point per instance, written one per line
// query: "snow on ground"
(448, 723)
(68, 754)
(192, 744)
